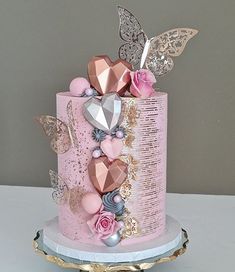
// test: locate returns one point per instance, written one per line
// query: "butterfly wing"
(57, 131)
(168, 44)
(75, 196)
(60, 189)
(173, 42)
(132, 33)
(131, 52)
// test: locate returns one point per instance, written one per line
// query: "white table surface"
(209, 220)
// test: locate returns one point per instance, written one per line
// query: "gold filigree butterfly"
(156, 53)
(62, 194)
(62, 135)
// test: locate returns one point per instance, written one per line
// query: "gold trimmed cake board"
(67, 262)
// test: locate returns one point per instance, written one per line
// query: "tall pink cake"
(110, 134)
(145, 121)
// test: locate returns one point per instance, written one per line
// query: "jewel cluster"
(108, 205)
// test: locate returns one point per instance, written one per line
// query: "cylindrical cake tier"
(144, 190)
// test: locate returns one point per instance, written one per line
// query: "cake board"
(178, 247)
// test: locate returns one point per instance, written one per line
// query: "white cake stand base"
(57, 242)
(56, 249)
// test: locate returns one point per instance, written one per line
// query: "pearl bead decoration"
(117, 199)
(96, 153)
(119, 134)
(89, 92)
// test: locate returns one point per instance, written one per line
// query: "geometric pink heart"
(107, 76)
(111, 147)
(107, 176)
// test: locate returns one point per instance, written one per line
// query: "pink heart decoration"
(112, 147)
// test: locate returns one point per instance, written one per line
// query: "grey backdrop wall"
(46, 43)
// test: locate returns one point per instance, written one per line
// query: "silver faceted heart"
(104, 114)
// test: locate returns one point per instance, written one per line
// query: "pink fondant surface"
(148, 148)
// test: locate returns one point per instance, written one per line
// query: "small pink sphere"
(91, 203)
(119, 134)
(121, 224)
(117, 199)
(78, 85)
(96, 153)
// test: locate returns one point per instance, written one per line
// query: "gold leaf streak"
(131, 114)
(71, 124)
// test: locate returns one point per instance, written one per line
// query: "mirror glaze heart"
(104, 114)
(107, 76)
(107, 176)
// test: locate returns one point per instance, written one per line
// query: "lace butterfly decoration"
(62, 136)
(62, 194)
(156, 53)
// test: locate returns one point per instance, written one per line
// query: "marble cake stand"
(68, 254)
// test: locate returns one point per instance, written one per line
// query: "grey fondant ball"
(112, 240)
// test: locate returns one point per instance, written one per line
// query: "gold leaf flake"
(125, 190)
(131, 227)
(132, 165)
(129, 139)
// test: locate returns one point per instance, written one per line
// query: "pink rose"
(141, 83)
(103, 224)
